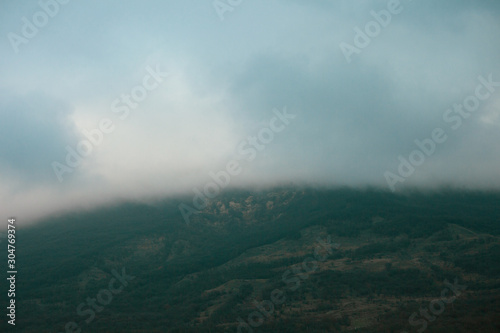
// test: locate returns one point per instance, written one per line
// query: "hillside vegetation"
(391, 256)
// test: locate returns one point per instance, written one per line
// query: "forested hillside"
(282, 260)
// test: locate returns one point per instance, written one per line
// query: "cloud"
(225, 78)
(33, 127)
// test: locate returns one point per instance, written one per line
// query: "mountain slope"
(389, 256)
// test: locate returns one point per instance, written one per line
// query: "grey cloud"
(353, 119)
(35, 130)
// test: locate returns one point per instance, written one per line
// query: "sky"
(104, 101)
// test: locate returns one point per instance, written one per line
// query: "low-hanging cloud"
(224, 80)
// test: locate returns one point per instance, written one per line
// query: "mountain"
(278, 260)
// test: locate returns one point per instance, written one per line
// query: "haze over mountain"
(205, 80)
